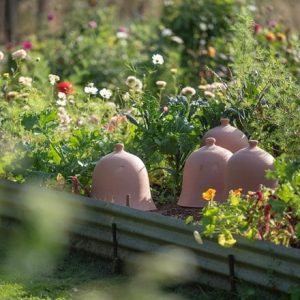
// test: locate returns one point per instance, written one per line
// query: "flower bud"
(161, 84)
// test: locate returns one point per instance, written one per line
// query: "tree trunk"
(42, 6)
(10, 17)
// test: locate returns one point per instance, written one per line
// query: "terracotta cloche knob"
(228, 136)
(119, 174)
(204, 169)
(247, 168)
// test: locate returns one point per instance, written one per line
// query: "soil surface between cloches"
(173, 210)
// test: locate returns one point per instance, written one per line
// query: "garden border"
(255, 262)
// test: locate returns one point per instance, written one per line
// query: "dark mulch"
(178, 212)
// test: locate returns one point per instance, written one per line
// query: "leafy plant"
(266, 214)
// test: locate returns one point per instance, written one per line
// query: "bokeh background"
(20, 18)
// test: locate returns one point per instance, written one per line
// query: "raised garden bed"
(263, 264)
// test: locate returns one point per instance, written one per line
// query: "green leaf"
(189, 220)
(47, 117)
(286, 192)
(278, 206)
(131, 119)
(29, 121)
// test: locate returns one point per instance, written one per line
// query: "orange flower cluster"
(209, 195)
(271, 37)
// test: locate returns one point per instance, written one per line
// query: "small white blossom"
(126, 96)
(157, 59)
(122, 35)
(105, 93)
(19, 54)
(62, 95)
(177, 39)
(26, 81)
(166, 32)
(53, 79)
(1, 56)
(61, 102)
(188, 91)
(91, 89)
(203, 26)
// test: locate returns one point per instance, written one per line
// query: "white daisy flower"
(105, 93)
(91, 89)
(53, 78)
(157, 59)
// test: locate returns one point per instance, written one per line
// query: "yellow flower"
(211, 52)
(236, 192)
(209, 194)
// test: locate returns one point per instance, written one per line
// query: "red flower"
(257, 28)
(65, 87)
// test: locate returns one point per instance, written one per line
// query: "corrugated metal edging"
(257, 262)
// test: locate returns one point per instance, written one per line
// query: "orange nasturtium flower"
(211, 52)
(209, 194)
(237, 192)
(271, 37)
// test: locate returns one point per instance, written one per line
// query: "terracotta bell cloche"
(246, 169)
(228, 136)
(120, 174)
(205, 168)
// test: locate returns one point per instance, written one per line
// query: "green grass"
(82, 276)
(79, 273)
(76, 273)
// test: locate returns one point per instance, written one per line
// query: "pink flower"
(272, 23)
(93, 24)
(50, 17)
(123, 29)
(27, 45)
